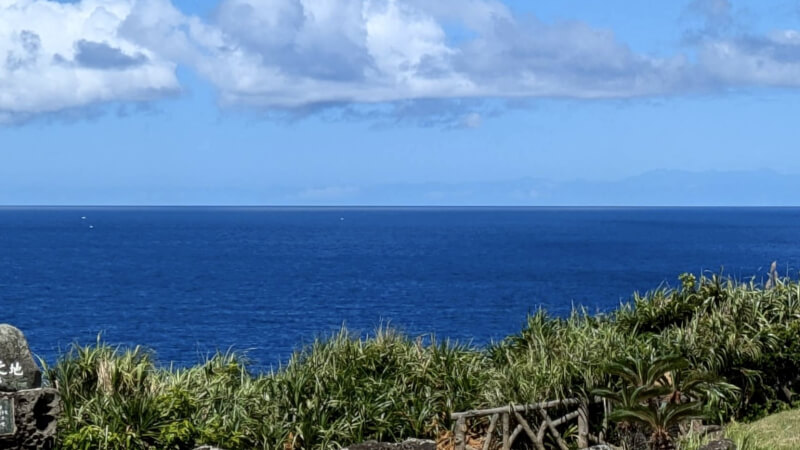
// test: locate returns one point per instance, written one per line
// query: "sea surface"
(186, 282)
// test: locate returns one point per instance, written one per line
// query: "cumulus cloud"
(730, 55)
(56, 57)
(301, 55)
(772, 60)
(400, 56)
(528, 58)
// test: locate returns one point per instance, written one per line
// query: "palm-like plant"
(660, 417)
(655, 371)
(653, 393)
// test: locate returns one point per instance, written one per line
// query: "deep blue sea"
(188, 281)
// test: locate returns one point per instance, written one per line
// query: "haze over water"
(188, 281)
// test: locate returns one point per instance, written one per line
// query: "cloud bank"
(296, 56)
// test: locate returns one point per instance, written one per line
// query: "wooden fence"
(507, 415)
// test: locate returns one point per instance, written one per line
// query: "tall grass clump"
(738, 340)
(334, 392)
(346, 389)
(557, 357)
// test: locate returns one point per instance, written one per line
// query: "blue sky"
(319, 101)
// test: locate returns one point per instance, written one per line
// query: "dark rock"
(35, 414)
(18, 371)
(720, 444)
(411, 444)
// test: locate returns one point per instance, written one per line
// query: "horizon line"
(388, 206)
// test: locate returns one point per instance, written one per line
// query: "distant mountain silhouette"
(654, 188)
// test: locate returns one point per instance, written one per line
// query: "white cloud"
(356, 51)
(295, 54)
(56, 56)
(527, 58)
(729, 55)
(754, 60)
(304, 55)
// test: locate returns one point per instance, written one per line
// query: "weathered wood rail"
(517, 414)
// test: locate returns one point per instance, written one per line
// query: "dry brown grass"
(446, 441)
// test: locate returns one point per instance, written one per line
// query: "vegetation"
(715, 346)
(660, 393)
(774, 432)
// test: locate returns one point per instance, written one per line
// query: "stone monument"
(28, 412)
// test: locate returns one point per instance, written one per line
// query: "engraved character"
(16, 369)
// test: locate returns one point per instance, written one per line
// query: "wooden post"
(606, 412)
(461, 434)
(524, 424)
(540, 436)
(514, 434)
(583, 426)
(490, 432)
(553, 431)
(506, 431)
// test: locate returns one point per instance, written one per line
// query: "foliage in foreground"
(660, 394)
(334, 392)
(775, 432)
(347, 389)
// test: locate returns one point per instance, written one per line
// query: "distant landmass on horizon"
(655, 188)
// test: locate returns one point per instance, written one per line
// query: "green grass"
(343, 388)
(780, 431)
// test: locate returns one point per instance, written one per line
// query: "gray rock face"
(28, 413)
(18, 371)
(35, 413)
(599, 447)
(720, 444)
(411, 444)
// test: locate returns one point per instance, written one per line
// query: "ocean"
(186, 282)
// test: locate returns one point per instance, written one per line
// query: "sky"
(336, 102)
